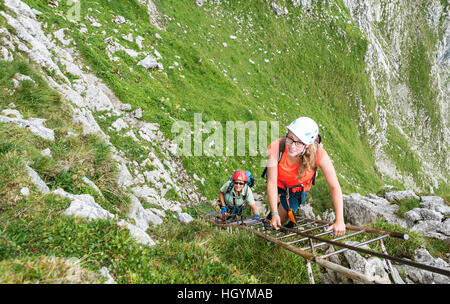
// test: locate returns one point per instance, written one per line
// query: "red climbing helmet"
(240, 175)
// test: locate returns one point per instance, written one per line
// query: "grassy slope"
(315, 69)
(33, 227)
(321, 91)
(305, 79)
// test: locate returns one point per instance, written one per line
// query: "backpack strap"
(281, 147)
(316, 142)
(244, 196)
(230, 186)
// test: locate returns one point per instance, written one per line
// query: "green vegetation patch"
(406, 205)
(72, 157)
(46, 270)
(406, 248)
(399, 151)
(247, 255)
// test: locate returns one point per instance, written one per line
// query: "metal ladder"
(308, 236)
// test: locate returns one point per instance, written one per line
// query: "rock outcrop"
(86, 96)
(388, 59)
(431, 220)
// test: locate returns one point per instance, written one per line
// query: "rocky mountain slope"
(90, 96)
(84, 96)
(407, 62)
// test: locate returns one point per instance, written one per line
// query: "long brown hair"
(307, 161)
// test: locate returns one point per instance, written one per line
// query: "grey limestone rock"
(435, 203)
(306, 211)
(137, 233)
(200, 2)
(125, 107)
(373, 267)
(412, 217)
(59, 34)
(399, 195)
(142, 216)
(184, 218)
(119, 124)
(444, 227)
(278, 10)
(156, 17)
(358, 211)
(5, 54)
(35, 125)
(105, 272)
(421, 214)
(332, 277)
(85, 118)
(426, 277)
(429, 222)
(37, 181)
(25, 191)
(329, 216)
(153, 217)
(361, 210)
(306, 4)
(84, 205)
(125, 179)
(18, 78)
(46, 152)
(150, 63)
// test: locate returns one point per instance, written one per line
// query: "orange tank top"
(287, 173)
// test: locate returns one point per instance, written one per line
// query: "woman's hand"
(338, 228)
(275, 222)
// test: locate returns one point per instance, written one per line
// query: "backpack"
(250, 179)
(281, 148)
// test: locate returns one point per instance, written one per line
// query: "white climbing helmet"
(305, 129)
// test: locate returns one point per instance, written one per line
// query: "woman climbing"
(291, 169)
(235, 193)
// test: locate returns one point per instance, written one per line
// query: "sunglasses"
(239, 183)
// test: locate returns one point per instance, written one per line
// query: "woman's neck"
(292, 160)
